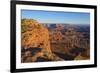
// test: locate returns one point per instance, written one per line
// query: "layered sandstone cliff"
(35, 35)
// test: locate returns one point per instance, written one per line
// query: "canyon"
(42, 42)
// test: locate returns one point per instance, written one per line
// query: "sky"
(56, 17)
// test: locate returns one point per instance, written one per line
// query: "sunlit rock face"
(53, 42)
(35, 35)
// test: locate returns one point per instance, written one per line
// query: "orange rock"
(37, 37)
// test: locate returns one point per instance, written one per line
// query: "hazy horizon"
(57, 17)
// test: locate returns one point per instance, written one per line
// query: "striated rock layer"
(35, 35)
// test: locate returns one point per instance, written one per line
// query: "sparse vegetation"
(55, 43)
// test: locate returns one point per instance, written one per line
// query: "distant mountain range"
(77, 27)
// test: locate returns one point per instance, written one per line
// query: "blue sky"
(56, 17)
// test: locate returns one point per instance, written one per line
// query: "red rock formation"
(36, 36)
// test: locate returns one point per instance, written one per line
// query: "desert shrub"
(29, 24)
(23, 28)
